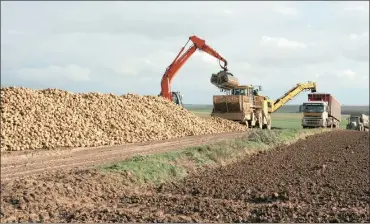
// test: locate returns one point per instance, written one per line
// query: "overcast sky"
(120, 47)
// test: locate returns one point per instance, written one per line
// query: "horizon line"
(199, 104)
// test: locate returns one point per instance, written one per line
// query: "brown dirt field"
(324, 178)
(21, 163)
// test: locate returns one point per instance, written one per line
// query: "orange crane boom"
(180, 61)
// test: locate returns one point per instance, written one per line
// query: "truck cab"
(315, 114)
(177, 98)
(321, 110)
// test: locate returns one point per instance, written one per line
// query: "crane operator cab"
(177, 98)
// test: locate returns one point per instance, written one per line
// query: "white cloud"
(210, 59)
(228, 11)
(281, 43)
(127, 68)
(52, 73)
(340, 81)
(355, 36)
(285, 10)
(246, 66)
(15, 32)
(126, 46)
(348, 73)
(357, 6)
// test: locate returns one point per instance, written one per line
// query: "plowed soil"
(324, 178)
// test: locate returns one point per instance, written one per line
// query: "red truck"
(321, 110)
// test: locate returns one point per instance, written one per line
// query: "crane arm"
(289, 95)
(201, 45)
(180, 60)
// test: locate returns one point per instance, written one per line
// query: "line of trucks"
(244, 104)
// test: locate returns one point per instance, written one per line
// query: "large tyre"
(266, 126)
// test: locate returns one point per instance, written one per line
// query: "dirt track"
(16, 164)
(322, 179)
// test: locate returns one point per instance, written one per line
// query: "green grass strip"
(175, 165)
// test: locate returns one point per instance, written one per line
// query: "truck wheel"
(266, 126)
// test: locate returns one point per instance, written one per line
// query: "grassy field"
(285, 117)
(284, 109)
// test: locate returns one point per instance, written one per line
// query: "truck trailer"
(321, 110)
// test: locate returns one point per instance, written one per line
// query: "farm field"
(115, 112)
(285, 109)
(286, 117)
(310, 181)
(279, 120)
(103, 158)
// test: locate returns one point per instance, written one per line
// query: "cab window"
(175, 99)
(238, 92)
